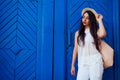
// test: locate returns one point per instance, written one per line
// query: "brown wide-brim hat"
(89, 9)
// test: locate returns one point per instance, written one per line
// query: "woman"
(86, 46)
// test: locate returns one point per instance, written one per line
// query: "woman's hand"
(73, 70)
(101, 31)
(99, 17)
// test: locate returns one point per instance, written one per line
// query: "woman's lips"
(84, 23)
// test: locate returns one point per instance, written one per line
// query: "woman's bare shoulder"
(76, 33)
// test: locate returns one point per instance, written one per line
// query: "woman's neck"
(87, 27)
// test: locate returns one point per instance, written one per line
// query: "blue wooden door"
(37, 37)
(18, 39)
(74, 9)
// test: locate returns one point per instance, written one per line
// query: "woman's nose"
(84, 19)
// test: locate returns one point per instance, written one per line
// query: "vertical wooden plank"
(59, 47)
(39, 41)
(116, 28)
(45, 45)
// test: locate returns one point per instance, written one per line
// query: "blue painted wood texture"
(37, 37)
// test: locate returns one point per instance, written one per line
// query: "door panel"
(73, 22)
(18, 41)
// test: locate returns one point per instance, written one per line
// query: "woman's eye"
(87, 18)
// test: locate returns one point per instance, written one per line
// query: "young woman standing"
(86, 46)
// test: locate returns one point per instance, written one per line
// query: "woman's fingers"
(99, 16)
(73, 71)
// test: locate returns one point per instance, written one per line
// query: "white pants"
(90, 68)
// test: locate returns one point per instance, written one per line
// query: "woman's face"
(85, 19)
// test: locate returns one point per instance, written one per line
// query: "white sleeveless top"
(88, 49)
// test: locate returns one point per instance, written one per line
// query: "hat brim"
(89, 9)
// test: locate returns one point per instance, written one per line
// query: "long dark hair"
(93, 30)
